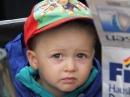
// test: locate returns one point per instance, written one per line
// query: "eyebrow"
(65, 49)
(56, 50)
(84, 50)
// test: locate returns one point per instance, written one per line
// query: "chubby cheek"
(48, 76)
(84, 71)
(49, 68)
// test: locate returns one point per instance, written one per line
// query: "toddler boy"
(60, 38)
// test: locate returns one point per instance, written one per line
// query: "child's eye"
(81, 55)
(57, 56)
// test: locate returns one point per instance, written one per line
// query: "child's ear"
(32, 59)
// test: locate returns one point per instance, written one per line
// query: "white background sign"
(116, 72)
(112, 21)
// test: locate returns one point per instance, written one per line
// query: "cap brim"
(54, 24)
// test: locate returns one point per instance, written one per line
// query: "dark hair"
(81, 23)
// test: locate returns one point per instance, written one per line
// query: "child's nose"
(70, 65)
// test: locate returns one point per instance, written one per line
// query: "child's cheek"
(82, 61)
(56, 61)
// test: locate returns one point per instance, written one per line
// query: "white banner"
(116, 72)
(112, 21)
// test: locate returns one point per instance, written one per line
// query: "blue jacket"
(17, 58)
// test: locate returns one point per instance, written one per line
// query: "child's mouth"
(69, 80)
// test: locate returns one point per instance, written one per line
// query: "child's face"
(63, 58)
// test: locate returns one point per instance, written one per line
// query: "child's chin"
(68, 89)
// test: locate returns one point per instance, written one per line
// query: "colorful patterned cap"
(50, 13)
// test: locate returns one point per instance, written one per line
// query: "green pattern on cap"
(47, 12)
